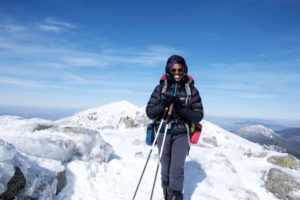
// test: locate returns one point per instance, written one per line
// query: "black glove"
(167, 100)
(179, 107)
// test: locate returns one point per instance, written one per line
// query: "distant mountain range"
(286, 140)
(233, 124)
(290, 132)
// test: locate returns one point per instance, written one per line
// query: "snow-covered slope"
(113, 115)
(221, 166)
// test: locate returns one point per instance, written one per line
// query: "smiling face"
(177, 71)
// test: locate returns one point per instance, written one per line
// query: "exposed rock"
(140, 120)
(78, 130)
(281, 184)
(15, 185)
(138, 154)
(42, 126)
(256, 155)
(127, 121)
(284, 161)
(212, 141)
(61, 181)
(262, 154)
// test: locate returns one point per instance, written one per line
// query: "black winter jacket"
(193, 112)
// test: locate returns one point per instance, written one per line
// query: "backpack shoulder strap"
(163, 80)
(188, 89)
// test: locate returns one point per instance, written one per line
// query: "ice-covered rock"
(40, 150)
(58, 149)
(20, 176)
(89, 145)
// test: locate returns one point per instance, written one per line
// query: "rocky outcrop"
(287, 161)
(140, 120)
(15, 185)
(42, 126)
(61, 181)
(281, 184)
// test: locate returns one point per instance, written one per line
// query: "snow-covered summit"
(106, 116)
(256, 130)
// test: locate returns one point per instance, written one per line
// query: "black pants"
(173, 157)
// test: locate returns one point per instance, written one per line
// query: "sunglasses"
(174, 70)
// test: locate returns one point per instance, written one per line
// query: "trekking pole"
(162, 147)
(150, 152)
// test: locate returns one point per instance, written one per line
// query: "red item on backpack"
(196, 134)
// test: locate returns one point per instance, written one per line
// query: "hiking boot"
(175, 195)
(165, 187)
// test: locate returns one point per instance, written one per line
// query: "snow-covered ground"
(106, 163)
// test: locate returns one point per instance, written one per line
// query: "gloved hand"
(167, 100)
(179, 107)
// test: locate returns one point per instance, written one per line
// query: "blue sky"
(243, 55)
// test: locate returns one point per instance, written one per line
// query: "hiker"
(185, 112)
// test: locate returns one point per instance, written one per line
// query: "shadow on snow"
(193, 174)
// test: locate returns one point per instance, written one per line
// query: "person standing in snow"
(184, 113)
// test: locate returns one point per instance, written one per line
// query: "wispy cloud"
(50, 28)
(55, 26)
(67, 56)
(20, 82)
(54, 21)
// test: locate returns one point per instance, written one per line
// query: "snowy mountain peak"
(106, 116)
(255, 130)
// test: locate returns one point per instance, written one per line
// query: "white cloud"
(22, 82)
(19, 82)
(53, 21)
(55, 26)
(67, 56)
(50, 28)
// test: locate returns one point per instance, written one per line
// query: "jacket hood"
(175, 59)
